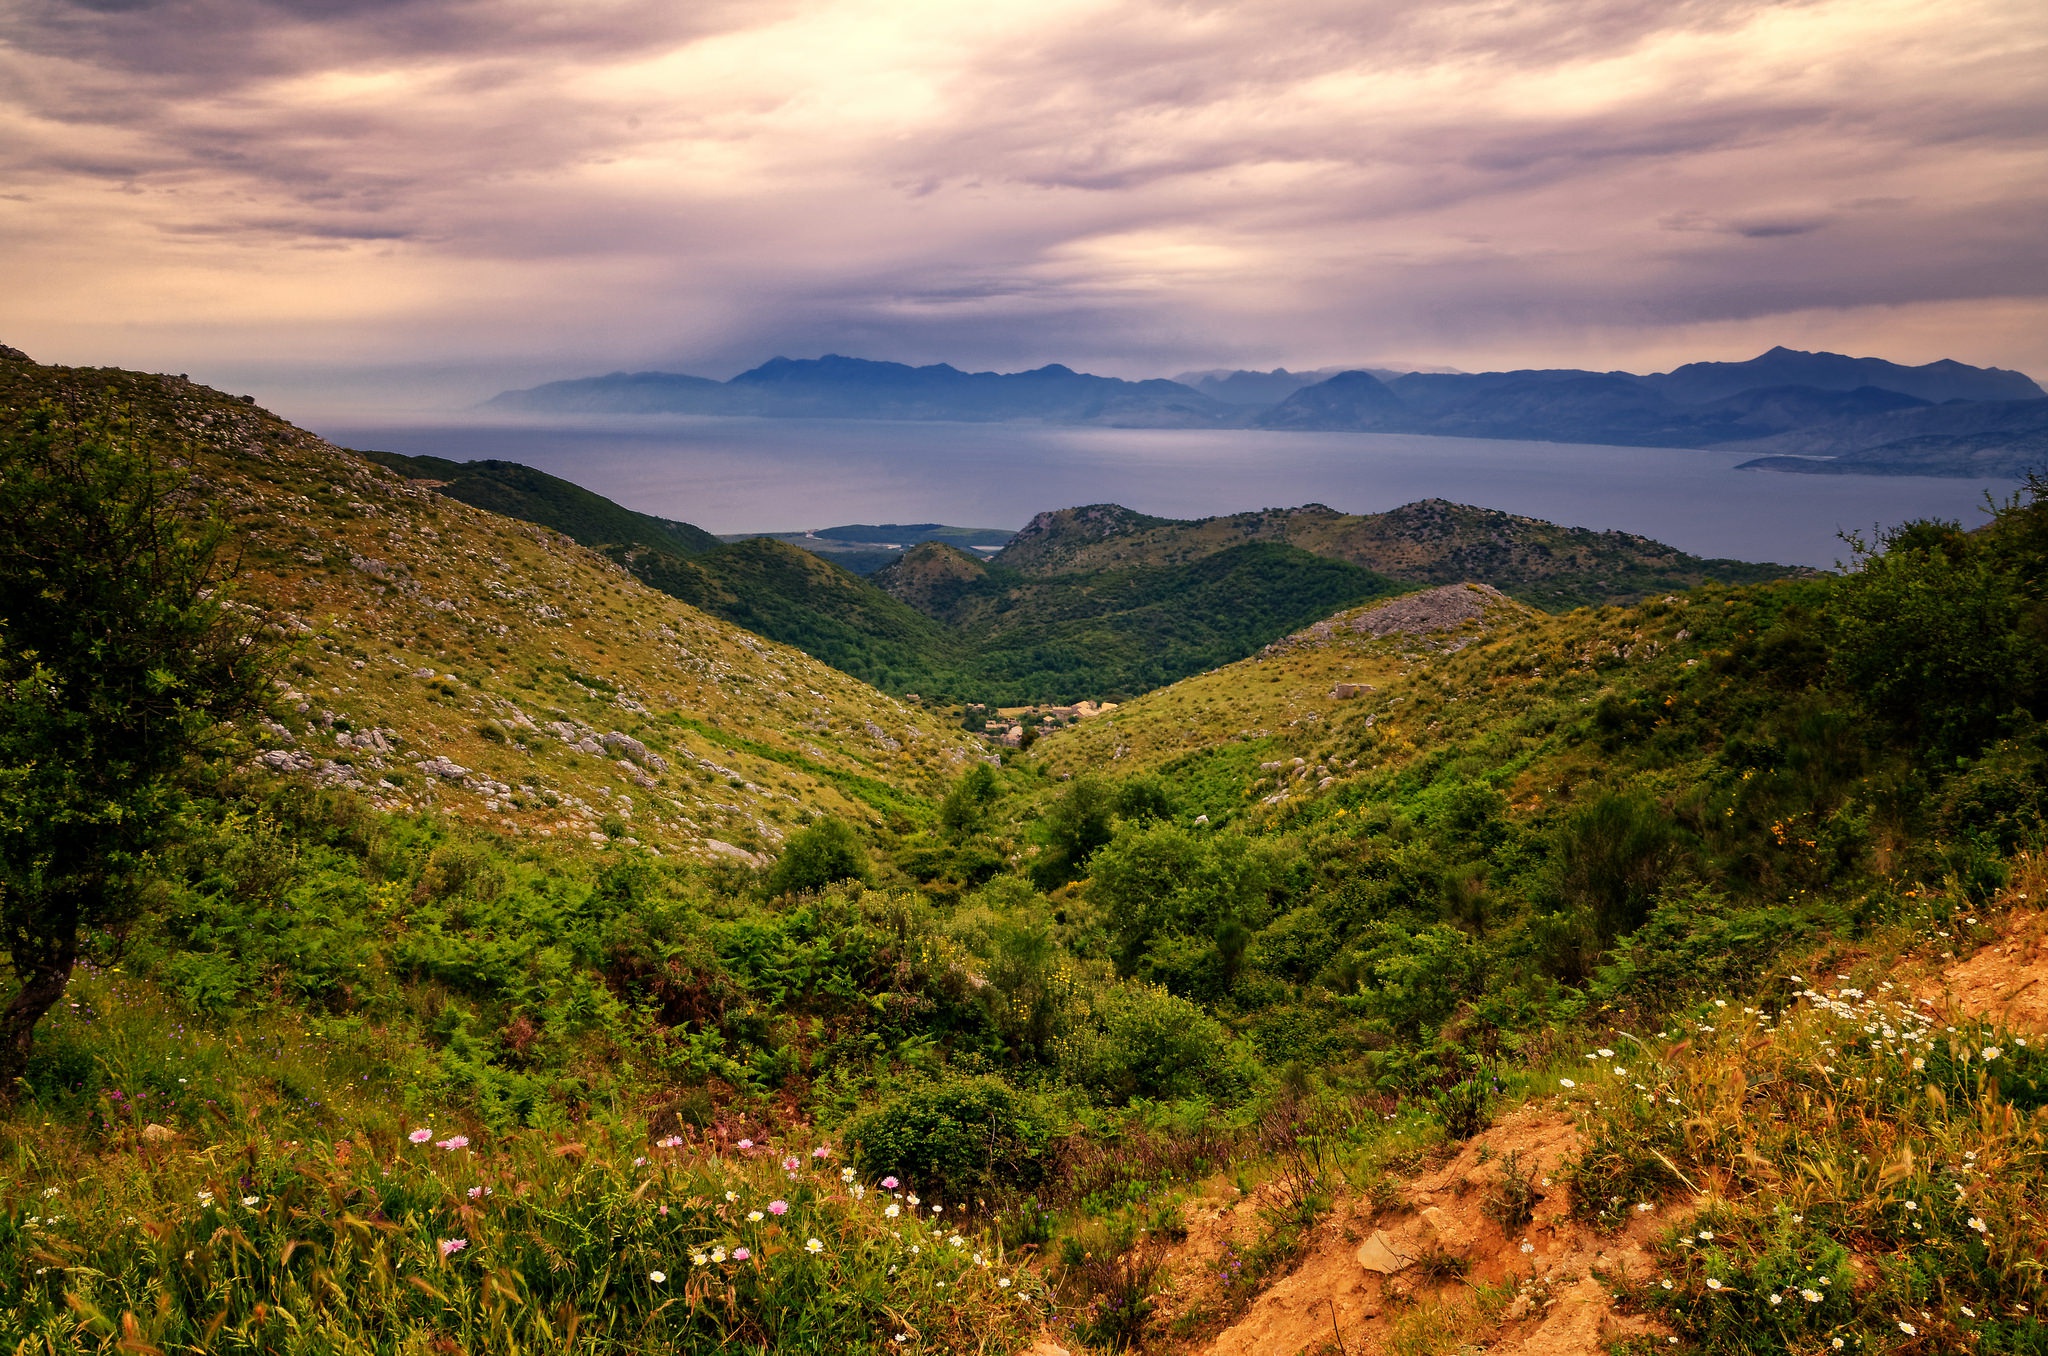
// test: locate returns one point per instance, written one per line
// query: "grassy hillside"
(511, 490)
(1428, 542)
(446, 659)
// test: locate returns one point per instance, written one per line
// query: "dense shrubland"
(1047, 1003)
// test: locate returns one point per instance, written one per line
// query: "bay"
(760, 475)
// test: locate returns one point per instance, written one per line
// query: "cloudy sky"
(381, 201)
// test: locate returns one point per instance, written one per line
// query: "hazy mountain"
(1697, 405)
(1701, 383)
(1358, 400)
(1702, 405)
(1861, 433)
(837, 387)
(1236, 386)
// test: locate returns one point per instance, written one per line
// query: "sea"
(730, 475)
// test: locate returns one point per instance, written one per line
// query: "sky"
(350, 205)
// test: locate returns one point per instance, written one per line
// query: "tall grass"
(1869, 1172)
(263, 1191)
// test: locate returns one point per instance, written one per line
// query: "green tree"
(1078, 823)
(826, 852)
(118, 663)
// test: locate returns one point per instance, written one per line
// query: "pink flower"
(420, 1136)
(671, 1142)
(888, 1184)
(453, 1142)
(791, 1163)
(451, 1246)
(822, 1151)
(746, 1144)
(740, 1254)
(476, 1193)
(778, 1207)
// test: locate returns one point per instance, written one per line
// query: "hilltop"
(1431, 541)
(450, 659)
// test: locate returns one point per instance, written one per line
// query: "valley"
(1461, 930)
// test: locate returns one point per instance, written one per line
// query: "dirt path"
(2007, 980)
(1368, 1278)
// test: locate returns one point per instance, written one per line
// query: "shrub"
(955, 1140)
(1149, 1043)
(825, 852)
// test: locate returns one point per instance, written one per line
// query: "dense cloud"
(509, 189)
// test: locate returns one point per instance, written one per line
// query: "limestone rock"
(1380, 1254)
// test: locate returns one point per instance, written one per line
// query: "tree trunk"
(42, 969)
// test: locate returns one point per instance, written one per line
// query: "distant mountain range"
(1788, 406)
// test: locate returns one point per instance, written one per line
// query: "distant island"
(1799, 412)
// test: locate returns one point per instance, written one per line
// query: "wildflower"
(1620, 1072)
(420, 1136)
(938, 1210)
(813, 1246)
(1977, 1224)
(1566, 1082)
(475, 1192)
(1992, 1052)
(671, 1142)
(451, 1246)
(1606, 1053)
(846, 1174)
(979, 1260)
(639, 1162)
(1003, 1284)
(822, 1152)
(859, 1192)
(661, 1210)
(718, 1254)
(1912, 1205)
(1919, 1063)
(1836, 1344)
(893, 1211)
(1667, 1282)
(49, 1192)
(1799, 1219)
(753, 1217)
(1706, 1235)
(205, 1199)
(250, 1202)
(1777, 1300)
(1713, 1284)
(1644, 1207)
(888, 1184)
(453, 1142)
(791, 1163)
(740, 1254)
(911, 1198)
(1810, 1295)
(699, 1259)
(1908, 1328)
(1528, 1247)
(956, 1240)
(657, 1276)
(901, 1337)
(778, 1207)
(731, 1196)
(1968, 1312)
(746, 1144)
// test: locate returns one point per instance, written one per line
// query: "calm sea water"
(762, 475)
